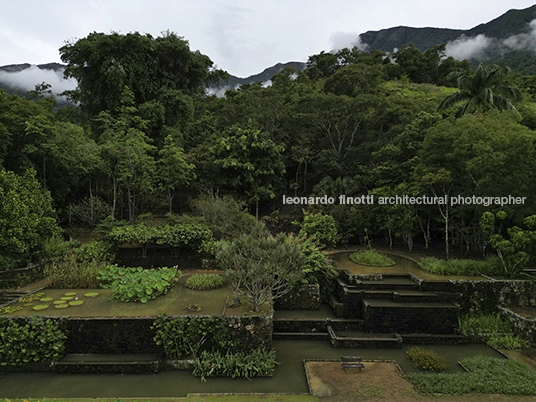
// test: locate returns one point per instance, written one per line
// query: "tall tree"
(162, 72)
(481, 90)
(249, 161)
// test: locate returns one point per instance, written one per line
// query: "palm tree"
(481, 90)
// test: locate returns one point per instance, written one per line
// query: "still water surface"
(289, 376)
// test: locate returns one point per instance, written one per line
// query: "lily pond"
(99, 303)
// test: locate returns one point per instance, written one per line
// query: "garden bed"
(174, 303)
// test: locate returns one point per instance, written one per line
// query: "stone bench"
(352, 362)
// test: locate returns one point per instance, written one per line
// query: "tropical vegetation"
(148, 136)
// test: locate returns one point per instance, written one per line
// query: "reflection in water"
(403, 265)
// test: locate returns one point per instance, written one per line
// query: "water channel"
(289, 376)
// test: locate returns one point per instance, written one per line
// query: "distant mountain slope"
(265, 76)
(15, 68)
(513, 22)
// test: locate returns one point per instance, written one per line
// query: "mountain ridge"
(515, 22)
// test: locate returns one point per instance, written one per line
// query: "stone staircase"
(384, 311)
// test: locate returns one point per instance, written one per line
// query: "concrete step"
(415, 296)
(362, 339)
(300, 336)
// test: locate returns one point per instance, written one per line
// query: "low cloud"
(468, 48)
(526, 41)
(341, 40)
(27, 79)
(475, 47)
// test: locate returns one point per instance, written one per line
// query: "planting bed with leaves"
(137, 284)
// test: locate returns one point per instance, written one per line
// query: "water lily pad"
(27, 304)
(61, 305)
(46, 299)
(67, 298)
(76, 303)
(70, 294)
(91, 294)
(41, 307)
(59, 302)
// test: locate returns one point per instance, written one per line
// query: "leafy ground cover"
(499, 332)
(486, 376)
(138, 284)
(490, 266)
(371, 257)
(204, 282)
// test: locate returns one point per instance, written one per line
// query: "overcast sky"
(242, 37)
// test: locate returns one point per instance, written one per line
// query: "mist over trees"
(146, 137)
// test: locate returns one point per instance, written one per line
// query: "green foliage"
(249, 161)
(137, 284)
(56, 246)
(507, 342)
(321, 228)
(426, 359)
(90, 210)
(260, 266)
(98, 250)
(183, 337)
(26, 214)
(35, 341)
(486, 376)
(71, 272)
(214, 364)
(193, 235)
(317, 267)
(481, 90)
(483, 324)
(489, 266)
(224, 215)
(512, 252)
(372, 258)
(162, 72)
(204, 281)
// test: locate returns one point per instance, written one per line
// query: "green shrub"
(56, 246)
(68, 273)
(372, 258)
(321, 228)
(184, 337)
(36, 341)
(483, 324)
(137, 284)
(486, 376)
(506, 342)
(204, 281)
(214, 364)
(101, 251)
(490, 266)
(426, 359)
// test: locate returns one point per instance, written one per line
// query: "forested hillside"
(147, 138)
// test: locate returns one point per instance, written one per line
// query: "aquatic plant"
(137, 284)
(214, 364)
